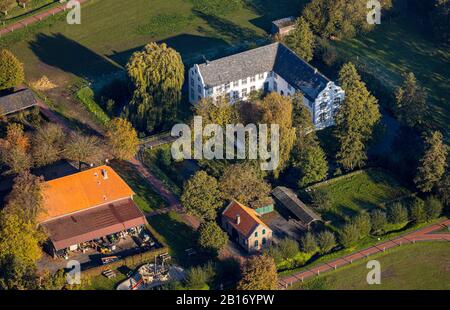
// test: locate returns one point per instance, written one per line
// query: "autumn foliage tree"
(122, 139)
(157, 74)
(14, 149)
(259, 273)
(201, 196)
(11, 70)
(84, 149)
(47, 144)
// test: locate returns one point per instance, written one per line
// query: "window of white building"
(323, 105)
(227, 86)
(244, 81)
(253, 88)
(322, 117)
(337, 101)
(236, 83)
(261, 76)
(275, 86)
(252, 79)
(244, 92)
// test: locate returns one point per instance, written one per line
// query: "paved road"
(424, 234)
(34, 18)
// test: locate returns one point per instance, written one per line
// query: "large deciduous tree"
(122, 139)
(355, 119)
(201, 196)
(301, 40)
(411, 102)
(211, 237)
(84, 149)
(47, 144)
(259, 273)
(11, 70)
(14, 149)
(157, 74)
(433, 163)
(243, 183)
(277, 109)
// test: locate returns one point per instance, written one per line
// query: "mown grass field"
(400, 46)
(410, 267)
(361, 191)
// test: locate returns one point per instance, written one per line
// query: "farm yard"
(410, 267)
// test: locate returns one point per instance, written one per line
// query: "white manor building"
(270, 68)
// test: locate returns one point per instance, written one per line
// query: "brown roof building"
(88, 205)
(16, 102)
(245, 227)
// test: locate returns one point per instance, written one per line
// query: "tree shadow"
(187, 45)
(68, 55)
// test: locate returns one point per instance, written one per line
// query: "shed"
(289, 199)
(17, 102)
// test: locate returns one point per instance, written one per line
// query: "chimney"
(104, 174)
(238, 219)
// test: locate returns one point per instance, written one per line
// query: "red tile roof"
(249, 219)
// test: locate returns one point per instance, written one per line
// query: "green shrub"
(417, 211)
(86, 96)
(326, 241)
(199, 277)
(288, 248)
(308, 243)
(433, 208)
(362, 223)
(11, 70)
(378, 220)
(397, 213)
(348, 235)
(321, 200)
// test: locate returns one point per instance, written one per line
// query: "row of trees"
(49, 143)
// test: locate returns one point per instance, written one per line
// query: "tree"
(201, 196)
(47, 144)
(84, 149)
(14, 149)
(26, 198)
(440, 20)
(362, 222)
(339, 18)
(19, 238)
(11, 70)
(379, 220)
(157, 74)
(417, 211)
(321, 199)
(220, 111)
(355, 119)
(433, 163)
(277, 109)
(212, 237)
(301, 39)
(348, 235)
(122, 139)
(411, 100)
(198, 277)
(443, 189)
(16, 274)
(313, 166)
(397, 213)
(259, 273)
(326, 241)
(308, 243)
(288, 248)
(243, 183)
(433, 208)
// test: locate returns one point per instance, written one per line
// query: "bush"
(326, 241)
(321, 200)
(433, 208)
(212, 237)
(397, 213)
(379, 220)
(164, 158)
(363, 224)
(308, 243)
(417, 211)
(288, 248)
(348, 235)
(199, 277)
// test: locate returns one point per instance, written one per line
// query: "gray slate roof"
(290, 200)
(273, 57)
(17, 101)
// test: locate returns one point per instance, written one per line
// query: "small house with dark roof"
(269, 68)
(283, 26)
(245, 227)
(16, 102)
(290, 200)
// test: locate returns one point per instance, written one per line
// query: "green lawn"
(361, 191)
(146, 198)
(398, 47)
(411, 267)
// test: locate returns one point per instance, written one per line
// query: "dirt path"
(34, 18)
(424, 234)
